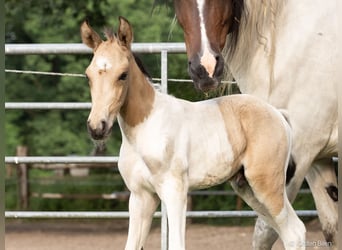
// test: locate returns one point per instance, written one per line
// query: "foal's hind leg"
(264, 235)
(320, 177)
(267, 196)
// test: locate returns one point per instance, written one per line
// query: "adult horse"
(162, 160)
(285, 53)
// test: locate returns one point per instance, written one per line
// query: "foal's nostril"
(100, 131)
(88, 126)
(104, 126)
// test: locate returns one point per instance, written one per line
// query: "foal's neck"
(139, 99)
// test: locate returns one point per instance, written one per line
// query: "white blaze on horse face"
(207, 60)
(103, 63)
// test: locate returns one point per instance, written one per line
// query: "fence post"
(164, 221)
(22, 173)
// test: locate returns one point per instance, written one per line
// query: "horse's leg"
(142, 206)
(287, 224)
(267, 196)
(321, 180)
(323, 184)
(264, 235)
(174, 195)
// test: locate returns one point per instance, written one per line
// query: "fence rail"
(69, 159)
(79, 48)
(47, 105)
(60, 159)
(124, 214)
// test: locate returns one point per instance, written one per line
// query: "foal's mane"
(141, 66)
(110, 35)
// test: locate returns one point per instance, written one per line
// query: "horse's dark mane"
(141, 66)
(239, 12)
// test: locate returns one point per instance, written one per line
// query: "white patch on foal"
(290, 229)
(207, 60)
(103, 63)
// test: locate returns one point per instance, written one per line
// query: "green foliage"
(98, 184)
(64, 132)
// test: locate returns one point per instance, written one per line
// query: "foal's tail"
(291, 169)
(291, 166)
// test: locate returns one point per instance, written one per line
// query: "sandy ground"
(98, 235)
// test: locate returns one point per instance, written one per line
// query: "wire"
(83, 75)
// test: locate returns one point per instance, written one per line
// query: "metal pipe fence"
(125, 214)
(60, 159)
(78, 48)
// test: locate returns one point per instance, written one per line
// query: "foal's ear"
(125, 32)
(89, 36)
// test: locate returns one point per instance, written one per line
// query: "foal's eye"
(123, 76)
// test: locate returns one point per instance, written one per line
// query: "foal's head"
(108, 75)
(206, 24)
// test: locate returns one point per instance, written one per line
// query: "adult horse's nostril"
(218, 72)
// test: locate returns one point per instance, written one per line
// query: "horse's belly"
(211, 163)
(211, 154)
(209, 175)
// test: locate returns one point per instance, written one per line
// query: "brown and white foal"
(170, 146)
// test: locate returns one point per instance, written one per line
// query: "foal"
(170, 146)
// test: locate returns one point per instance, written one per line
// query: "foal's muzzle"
(99, 132)
(200, 76)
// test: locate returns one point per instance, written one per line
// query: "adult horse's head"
(107, 74)
(206, 25)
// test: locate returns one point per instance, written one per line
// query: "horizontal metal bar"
(67, 159)
(47, 105)
(55, 166)
(64, 215)
(125, 214)
(124, 195)
(61, 159)
(79, 48)
(239, 213)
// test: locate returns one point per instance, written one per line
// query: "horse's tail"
(291, 166)
(291, 169)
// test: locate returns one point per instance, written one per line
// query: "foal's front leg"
(142, 206)
(174, 195)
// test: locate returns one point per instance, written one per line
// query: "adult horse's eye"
(123, 76)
